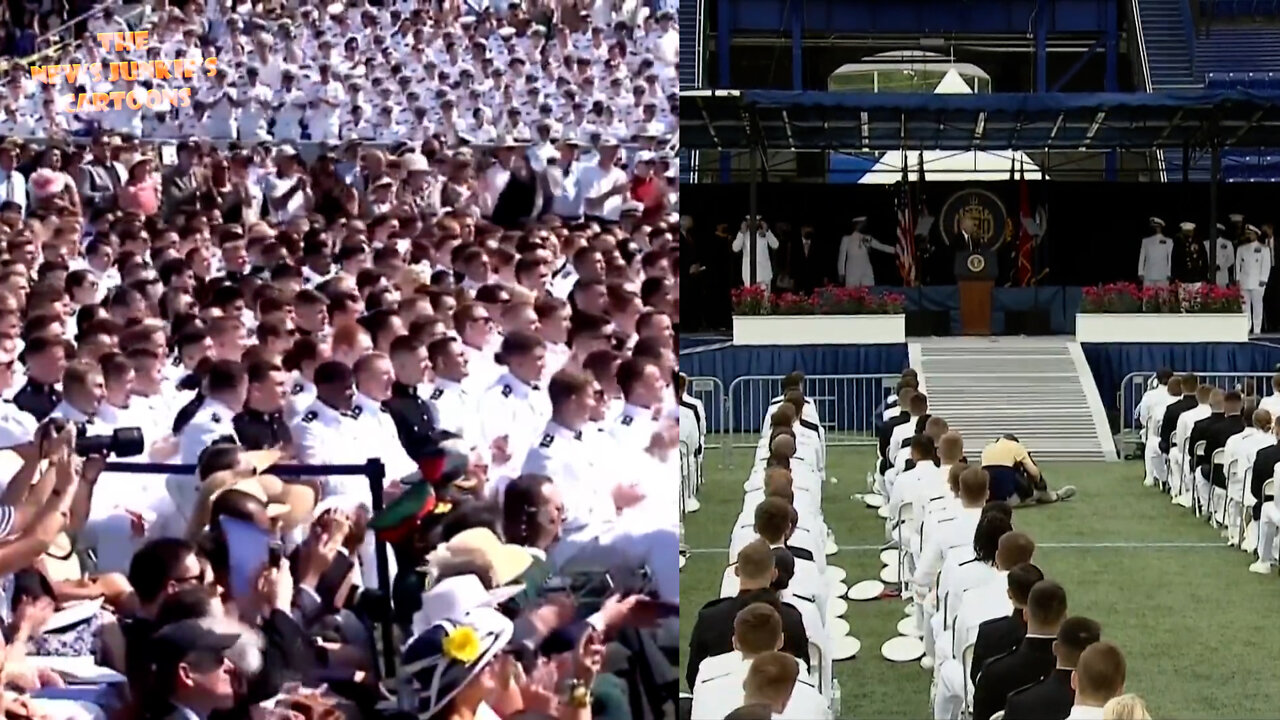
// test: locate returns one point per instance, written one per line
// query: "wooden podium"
(975, 274)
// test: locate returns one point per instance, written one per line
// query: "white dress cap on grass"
(866, 590)
(902, 649)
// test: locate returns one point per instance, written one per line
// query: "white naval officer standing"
(1155, 259)
(1226, 257)
(765, 241)
(1253, 266)
(593, 534)
(854, 261)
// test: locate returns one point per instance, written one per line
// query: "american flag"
(906, 232)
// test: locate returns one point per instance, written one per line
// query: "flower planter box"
(819, 329)
(1162, 328)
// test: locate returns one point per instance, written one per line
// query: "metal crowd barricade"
(847, 406)
(689, 475)
(373, 469)
(715, 403)
(1134, 385)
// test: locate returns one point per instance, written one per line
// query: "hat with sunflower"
(440, 661)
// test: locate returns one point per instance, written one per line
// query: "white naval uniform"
(1226, 260)
(302, 392)
(109, 527)
(765, 241)
(718, 692)
(1180, 482)
(211, 422)
(633, 427)
(378, 435)
(977, 605)
(593, 535)
(455, 407)
(323, 436)
(17, 426)
(1253, 266)
(854, 260)
(956, 531)
(1238, 455)
(1151, 412)
(515, 410)
(1155, 260)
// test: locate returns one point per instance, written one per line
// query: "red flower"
(830, 300)
(1129, 298)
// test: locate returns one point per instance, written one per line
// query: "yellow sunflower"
(462, 644)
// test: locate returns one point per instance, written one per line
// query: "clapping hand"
(33, 613)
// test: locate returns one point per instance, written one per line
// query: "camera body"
(122, 442)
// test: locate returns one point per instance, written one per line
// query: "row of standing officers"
(1243, 256)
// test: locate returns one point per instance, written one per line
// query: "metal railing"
(690, 475)
(1134, 385)
(847, 405)
(715, 403)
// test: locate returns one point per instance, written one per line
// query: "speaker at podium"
(976, 276)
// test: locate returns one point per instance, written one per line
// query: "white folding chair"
(1188, 471)
(906, 513)
(967, 664)
(1241, 515)
(1215, 461)
(819, 667)
(729, 582)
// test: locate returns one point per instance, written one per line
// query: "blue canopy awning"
(851, 122)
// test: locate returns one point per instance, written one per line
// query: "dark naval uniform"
(414, 419)
(258, 430)
(1190, 261)
(38, 399)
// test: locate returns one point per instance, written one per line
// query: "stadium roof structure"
(843, 121)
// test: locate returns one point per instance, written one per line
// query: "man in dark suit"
(1190, 383)
(99, 177)
(713, 630)
(804, 264)
(1052, 698)
(1002, 635)
(1032, 661)
(1215, 438)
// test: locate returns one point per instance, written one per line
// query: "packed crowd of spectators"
(442, 238)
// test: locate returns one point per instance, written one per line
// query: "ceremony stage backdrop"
(1093, 230)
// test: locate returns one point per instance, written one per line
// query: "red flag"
(906, 231)
(1025, 274)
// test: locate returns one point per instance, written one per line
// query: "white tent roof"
(952, 165)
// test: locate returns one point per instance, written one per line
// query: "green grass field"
(1196, 627)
